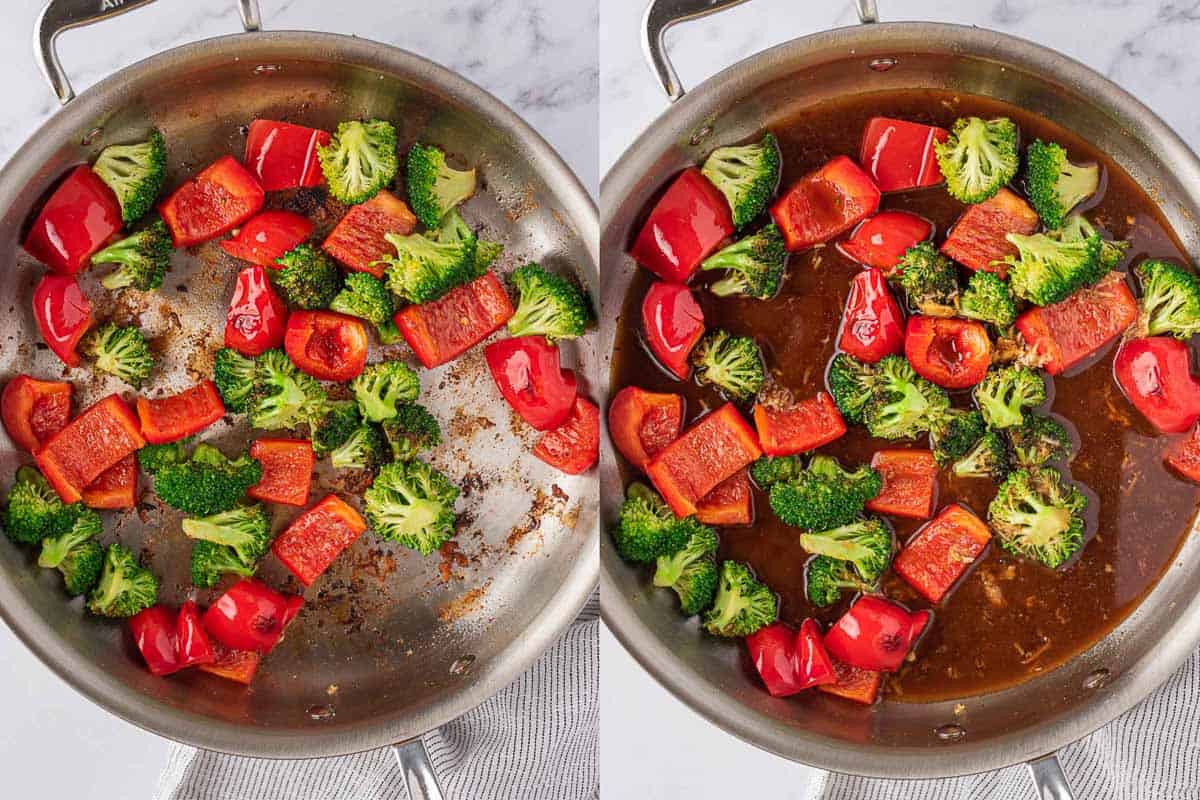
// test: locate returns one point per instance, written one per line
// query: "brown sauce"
(1008, 619)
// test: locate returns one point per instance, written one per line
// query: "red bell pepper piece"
(872, 324)
(287, 471)
(899, 154)
(443, 330)
(729, 503)
(98, 438)
(574, 446)
(192, 645)
(641, 423)
(938, 554)
(221, 197)
(910, 483)
(882, 240)
(685, 227)
(858, 685)
(34, 410)
(155, 632)
(789, 662)
(251, 616)
(284, 156)
(673, 323)
(116, 487)
(1073, 330)
(317, 537)
(710, 451)
(268, 235)
(169, 419)
(875, 634)
(235, 665)
(1155, 374)
(527, 372)
(63, 315)
(257, 314)
(327, 345)
(1183, 455)
(825, 203)
(357, 240)
(800, 427)
(953, 353)
(977, 239)
(78, 220)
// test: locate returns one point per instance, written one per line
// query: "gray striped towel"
(535, 740)
(1150, 753)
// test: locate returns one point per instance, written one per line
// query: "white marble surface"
(1144, 45)
(538, 56)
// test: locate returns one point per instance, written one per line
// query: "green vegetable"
(365, 448)
(364, 296)
(747, 175)
(81, 567)
(988, 298)
(550, 305)
(754, 265)
(211, 560)
(412, 430)
(825, 495)
(244, 528)
(208, 482)
(1054, 184)
(989, 458)
(1036, 514)
(954, 434)
(853, 384)
(1076, 228)
(284, 397)
(433, 187)
(120, 351)
(1005, 393)
(979, 158)
(308, 279)
(381, 388)
(32, 507)
(1039, 439)
(235, 377)
(425, 269)
(153, 457)
(691, 571)
(867, 544)
(929, 280)
(359, 160)
(1170, 303)
(826, 578)
(73, 549)
(341, 420)
(733, 364)
(453, 229)
(413, 504)
(135, 173)
(142, 258)
(647, 528)
(1047, 270)
(742, 605)
(770, 470)
(125, 587)
(905, 405)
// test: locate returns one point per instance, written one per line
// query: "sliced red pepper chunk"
(357, 240)
(1183, 455)
(710, 451)
(899, 154)
(327, 345)
(910, 483)
(875, 634)
(238, 666)
(938, 554)
(63, 315)
(1073, 330)
(685, 227)
(215, 201)
(98, 438)
(317, 537)
(882, 240)
(852, 683)
(257, 316)
(574, 446)
(169, 419)
(673, 323)
(527, 372)
(641, 423)
(284, 156)
(953, 353)
(116, 487)
(1155, 373)
(268, 235)
(251, 616)
(446, 328)
(825, 203)
(729, 503)
(872, 323)
(977, 239)
(789, 662)
(192, 644)
(34, 410)
(287, 470)
(78, 220)
(155, 633)
(800, 427)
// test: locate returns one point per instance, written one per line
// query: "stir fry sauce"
(1008, 619)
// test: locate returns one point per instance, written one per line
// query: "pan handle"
(62, 15)
(417, 769)
(1050, 779)
(661, 15)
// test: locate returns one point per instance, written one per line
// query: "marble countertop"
(1140, 44)
(538, 56)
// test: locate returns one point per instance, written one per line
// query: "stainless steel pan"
(385, 649)
(1025, 723)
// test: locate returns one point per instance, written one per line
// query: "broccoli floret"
(32, 507)
(867, 544)
(1036, 514)
(747, 175)
(121, 351)
(211, 560)
(453, 229)
(412, 503)
(412, 430)
(989, 299)
(826, 578)
(341, 420)
(1076, 228)
(365, 448)
(954, 434)
(742, 605)
(143, 258)
(1040, 439)
(550, 305)
(979, 157)
(135, 173)
(754, 265)
(381, 388)
(81, 567)
(989, 458)
(1055, 185)
(1047, 270)
(1005, 393)
(733, 364)
(433, 187)
(207, 483)
(74, 525)
(125, 587)
(235, 376)
(853, 384)
(424, 269)
(284, 396)
(364, 296)
(825, 495)
(929, 280)
(770, 470)
(246, 529)
(485, 253)
(647, 528)
(153, 457)
(308, 278)
(388, 332)
(359, 160)
(1170, 300)
(691, 571)
(905, 405)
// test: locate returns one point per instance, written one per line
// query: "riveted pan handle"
(1050, 779)
(417, 769)
(662, 14)
(62, 15)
